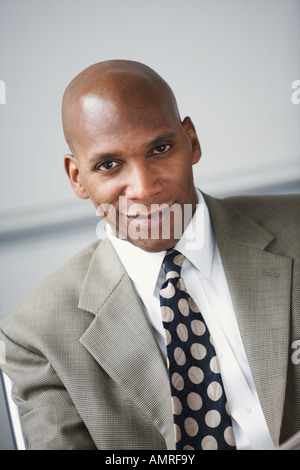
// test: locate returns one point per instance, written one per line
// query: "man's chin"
(152, 245)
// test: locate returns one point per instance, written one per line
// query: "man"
(87, 350)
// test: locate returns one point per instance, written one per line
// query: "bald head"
(111, 87)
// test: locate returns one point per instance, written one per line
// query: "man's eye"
(161, 149)
(106, 166)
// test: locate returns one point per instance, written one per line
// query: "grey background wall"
(231, 64)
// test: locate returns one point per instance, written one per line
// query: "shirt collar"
(143, 267)
(198, 240)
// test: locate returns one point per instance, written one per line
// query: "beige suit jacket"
(87, 370)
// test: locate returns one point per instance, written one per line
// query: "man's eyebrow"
(105, 156)
(162, 138)
(110, 156)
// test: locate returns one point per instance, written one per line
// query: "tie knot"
(172, 263)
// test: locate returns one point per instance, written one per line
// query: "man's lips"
(138, 214)
(149, 219)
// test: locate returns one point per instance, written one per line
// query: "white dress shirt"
(206, 283)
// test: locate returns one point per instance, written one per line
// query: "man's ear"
(72, 170)
(190, 130)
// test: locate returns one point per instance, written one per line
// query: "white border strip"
(14, 415)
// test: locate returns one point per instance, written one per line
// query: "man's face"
(135, 163)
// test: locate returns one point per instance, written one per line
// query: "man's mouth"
(152, 219)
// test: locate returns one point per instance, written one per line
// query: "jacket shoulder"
(279, 214)
(53, 300)
(262, 208)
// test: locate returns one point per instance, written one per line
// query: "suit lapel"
(121, 339)
(260, 285)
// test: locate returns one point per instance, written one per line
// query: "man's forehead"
(116, 114)
(108, 128)
(119, 137)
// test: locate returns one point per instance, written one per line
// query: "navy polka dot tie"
(201, 417)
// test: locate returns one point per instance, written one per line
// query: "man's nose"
(143, 183)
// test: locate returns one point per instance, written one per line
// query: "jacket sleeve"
(49, 418)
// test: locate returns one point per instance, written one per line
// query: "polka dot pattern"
(201, 416)
(194, 401)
